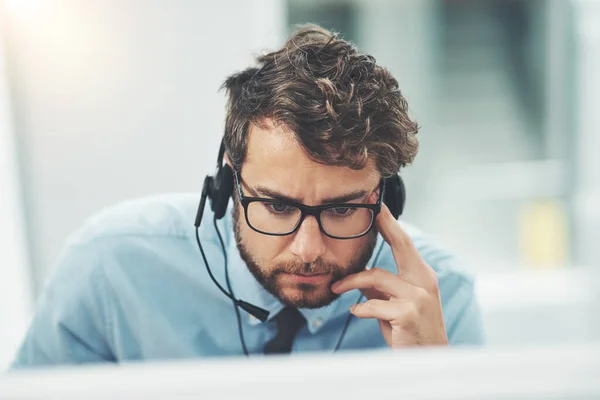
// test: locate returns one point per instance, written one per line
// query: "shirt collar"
(247, 288)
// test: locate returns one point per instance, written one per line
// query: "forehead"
(277, 160)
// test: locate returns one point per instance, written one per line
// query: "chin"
(305, 296)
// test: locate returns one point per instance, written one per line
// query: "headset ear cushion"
(395, 195)
(221, 191)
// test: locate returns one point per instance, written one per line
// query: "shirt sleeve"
(464, 324)
(70, 324)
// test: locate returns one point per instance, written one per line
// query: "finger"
(408, 260)
(394, 235)
(377, 279)
(380, 309)
(375, 294)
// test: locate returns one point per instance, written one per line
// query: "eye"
(279, 208)
(342, 211)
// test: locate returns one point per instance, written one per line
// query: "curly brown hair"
(341, 106)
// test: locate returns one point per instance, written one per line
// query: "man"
(316, 126)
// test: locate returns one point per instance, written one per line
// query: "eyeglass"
(280, 218)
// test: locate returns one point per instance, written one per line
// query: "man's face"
(299, 268)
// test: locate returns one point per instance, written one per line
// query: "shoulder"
(168, 215)
(444, 262)
(134, 236)
(460, 307)
(449, 267)
(137, 246)
(453, 278)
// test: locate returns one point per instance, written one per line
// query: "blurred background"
(105, 100)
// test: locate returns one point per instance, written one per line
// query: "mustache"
(317, 267)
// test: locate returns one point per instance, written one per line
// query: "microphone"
(251, 309)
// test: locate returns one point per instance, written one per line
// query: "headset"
(218, 189)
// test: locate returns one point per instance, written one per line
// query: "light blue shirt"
(131, 285)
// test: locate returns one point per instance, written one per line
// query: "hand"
(408, 304)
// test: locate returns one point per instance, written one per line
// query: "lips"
(308, 278)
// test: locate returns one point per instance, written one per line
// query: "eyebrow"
(357, 194)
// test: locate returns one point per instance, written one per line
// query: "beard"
(306, 295)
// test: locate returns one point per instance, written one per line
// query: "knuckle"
(413, 312)
(369, 305)
(404, 240)
(434, 288)
(365, 308)
(431, 282)
(377, 273)
(410, 322)
(407, 241)
(422, 297)
(401, 269)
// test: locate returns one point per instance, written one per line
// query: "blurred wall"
(586, 141)
(119, 99)
(15, 287)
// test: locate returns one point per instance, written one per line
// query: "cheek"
(264, 248)
(344, 251)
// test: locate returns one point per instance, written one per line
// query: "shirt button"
(252, 319)
(317, 323)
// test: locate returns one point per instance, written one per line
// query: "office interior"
(103, 101)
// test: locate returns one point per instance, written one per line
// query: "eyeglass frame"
(305, 210)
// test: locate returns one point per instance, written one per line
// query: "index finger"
(408, 260)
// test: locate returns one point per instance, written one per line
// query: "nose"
(308, 242)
